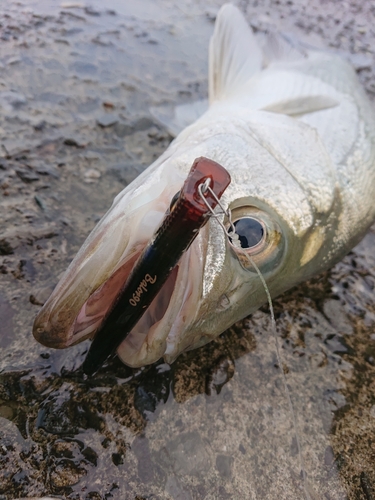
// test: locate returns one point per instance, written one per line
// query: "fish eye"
(250, 231)
(259, 234)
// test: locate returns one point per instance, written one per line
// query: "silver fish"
(296, 132)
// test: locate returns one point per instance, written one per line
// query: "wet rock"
(143, 123)
(10, 100)
(73, 142)
(117, 459)
(52, 97)
(90, 11)
(335, 399)
(141, 450)
(224, 465)
(92, 175)
(84, 68)
(40, 126)
(211, 13)
(14, 237)
(220, 375)
(99, 40)
(123, 129)
(90, 455)
(188, 455)
(4, 164)
(39, 201)
(329, 456)
(14, 60)
(125, 173)
(66, 473)
(88, 105)
(174, 488)
(361, 61)
(336, 344)
(43, 169)
(152, 389)
(107, 120)
(24, 268)
(5, 246)
(337, 316)
(10, 435)
(6, 412)
(73, 16)
(27, 175)
(370, 354)
(6, 314)
(60, 414)
(367, 486)
(91, 156)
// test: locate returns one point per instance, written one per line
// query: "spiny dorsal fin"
(234, 54)
(302, 105)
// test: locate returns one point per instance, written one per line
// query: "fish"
(296, 131)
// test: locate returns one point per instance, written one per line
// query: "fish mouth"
(159, 329)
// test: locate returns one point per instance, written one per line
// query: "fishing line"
(235, 240)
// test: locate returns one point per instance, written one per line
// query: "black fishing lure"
(189, 211)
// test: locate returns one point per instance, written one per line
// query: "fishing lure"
(188, 213)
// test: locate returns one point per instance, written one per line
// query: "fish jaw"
(87, 289)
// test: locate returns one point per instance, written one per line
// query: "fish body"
(296, 132)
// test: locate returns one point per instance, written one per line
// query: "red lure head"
(201, 170)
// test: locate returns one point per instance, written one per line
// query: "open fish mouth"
(155, 267)
(163, 320)
(141, 303)
(160, 327)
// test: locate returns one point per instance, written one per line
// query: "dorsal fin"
(234, 54)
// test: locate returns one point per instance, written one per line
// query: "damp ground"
(77, 82)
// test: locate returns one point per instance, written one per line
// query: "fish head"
(214, 284)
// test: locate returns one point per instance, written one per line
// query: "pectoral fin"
(302, 105)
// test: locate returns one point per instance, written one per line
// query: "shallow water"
(77, 83)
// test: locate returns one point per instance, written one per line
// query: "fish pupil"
(250, 231)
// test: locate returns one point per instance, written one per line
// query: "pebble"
(143, 123)
(27, 176)
(123, 129)
(73, 142)
(91, 175)
(361, 61)
(188, 455)
(91, 12)
(44, 169)
(224, 465)
(337, 316)
(66, 473)
(10, 100)
(107, 120)
(40, 295)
